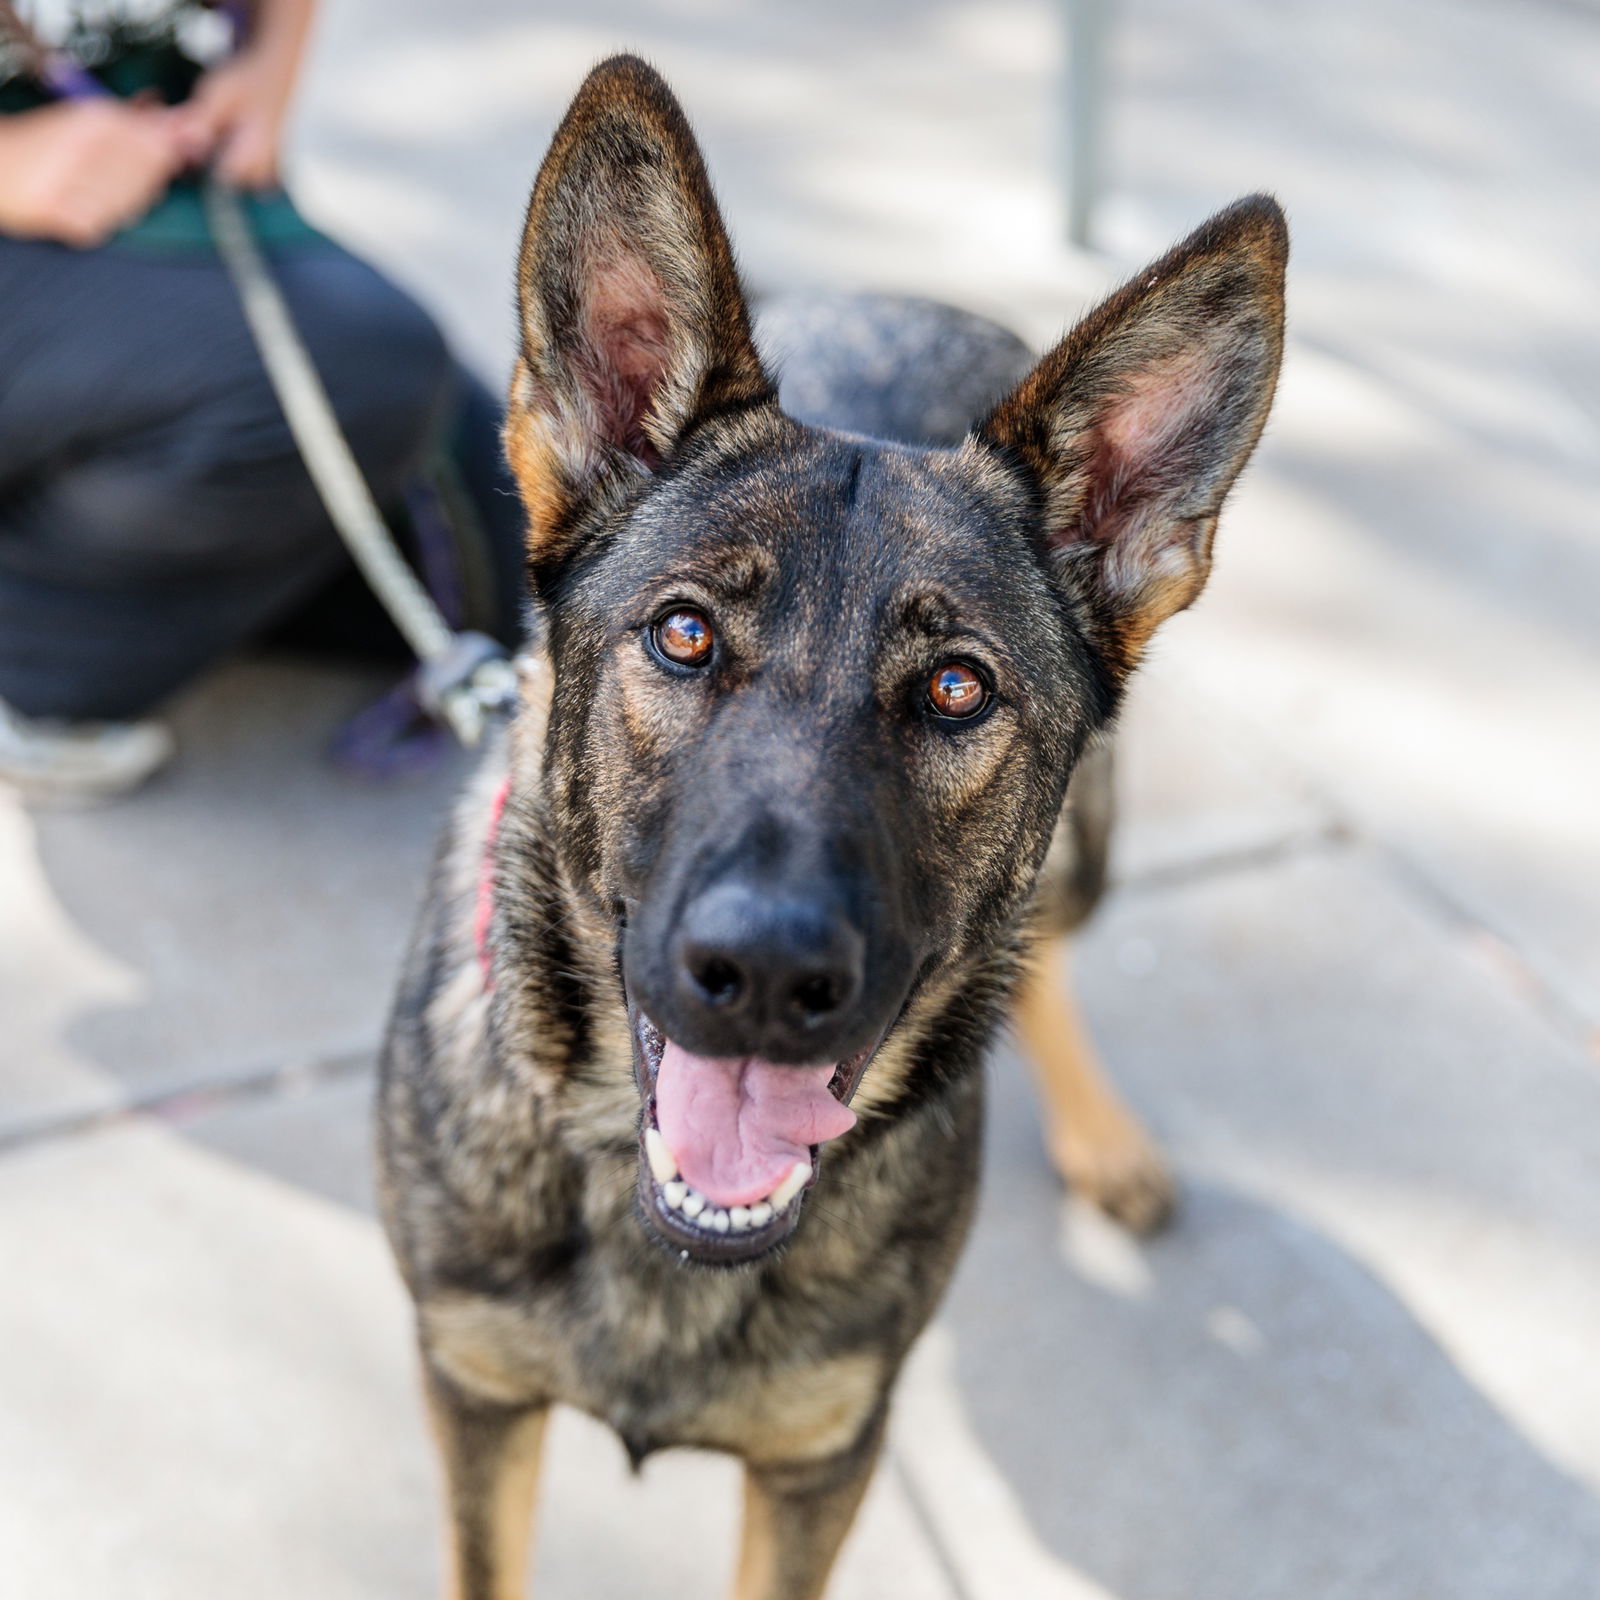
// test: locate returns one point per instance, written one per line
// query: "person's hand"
(78, 171)
(234, 119)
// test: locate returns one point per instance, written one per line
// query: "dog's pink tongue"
(736, 1128)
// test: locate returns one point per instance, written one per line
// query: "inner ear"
(628, 346)
(1160, 404)
(1158, 448)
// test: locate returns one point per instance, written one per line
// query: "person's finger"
(139, 139)
(165, 134)
(250, 156)
(129, 187)
(199, 123)
(150, 162)
(191, 132)
(197, 143)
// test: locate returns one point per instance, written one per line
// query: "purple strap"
(66, 80)
(391, 738)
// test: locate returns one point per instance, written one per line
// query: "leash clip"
(468, 684)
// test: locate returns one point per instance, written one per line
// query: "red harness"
(483, 918)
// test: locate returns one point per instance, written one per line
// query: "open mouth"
(728, 1148)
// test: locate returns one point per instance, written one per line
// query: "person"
(154, 513)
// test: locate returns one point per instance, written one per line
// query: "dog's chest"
(665, 1357)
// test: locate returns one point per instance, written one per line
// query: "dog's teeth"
(738, 1218)
(799, 1175)
(718, 1220)
(673, 1193)
(760, 1214)
(662, 1165)
(693, 1203)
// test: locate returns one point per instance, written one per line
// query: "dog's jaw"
(686, 1222)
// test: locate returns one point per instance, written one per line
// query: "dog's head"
(818, 697)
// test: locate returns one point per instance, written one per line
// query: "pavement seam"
(927, 1524)
(1329, 837)
(198, 1098)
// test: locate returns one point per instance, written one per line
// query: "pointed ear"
(633, 323)
(1138, 422)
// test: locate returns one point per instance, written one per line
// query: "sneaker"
(65, 761)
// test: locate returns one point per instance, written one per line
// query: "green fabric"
(161, 69)
(177, 224)
(21, 94)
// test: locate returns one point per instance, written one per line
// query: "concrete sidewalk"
(1349, 971)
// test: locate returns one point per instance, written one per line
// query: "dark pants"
(154, 513)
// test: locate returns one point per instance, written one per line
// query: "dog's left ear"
(1136, 425)
(633, 323)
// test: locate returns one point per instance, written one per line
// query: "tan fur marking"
(806, 1414)
(533, 460)
(1095, 1141)
(793, 1529)
(488, 1349)
(488, 1526)
(512, 1502)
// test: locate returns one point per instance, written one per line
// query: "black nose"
(768, 974)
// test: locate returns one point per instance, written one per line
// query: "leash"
(464, 678)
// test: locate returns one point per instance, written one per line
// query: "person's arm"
(235, 117)
(77, 171)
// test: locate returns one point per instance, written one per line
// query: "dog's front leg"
(490, 1456)
(1095, 1141)
(795, 1518)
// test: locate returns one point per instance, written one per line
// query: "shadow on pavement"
(1240, 1411)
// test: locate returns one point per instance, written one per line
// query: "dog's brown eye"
(955, 690)
(684, 637)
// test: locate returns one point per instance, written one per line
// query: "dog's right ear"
(1136, 425)
(633, 323)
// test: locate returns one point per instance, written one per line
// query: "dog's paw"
(1118, 1168)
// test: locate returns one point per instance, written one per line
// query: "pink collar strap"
(483, 919)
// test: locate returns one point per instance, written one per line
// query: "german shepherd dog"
(681, 1100)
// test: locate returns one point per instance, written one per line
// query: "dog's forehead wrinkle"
(839, 498)
(729, 568)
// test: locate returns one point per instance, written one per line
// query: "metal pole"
(1083, 121)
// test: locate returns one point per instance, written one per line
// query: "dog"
(680, 1102)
